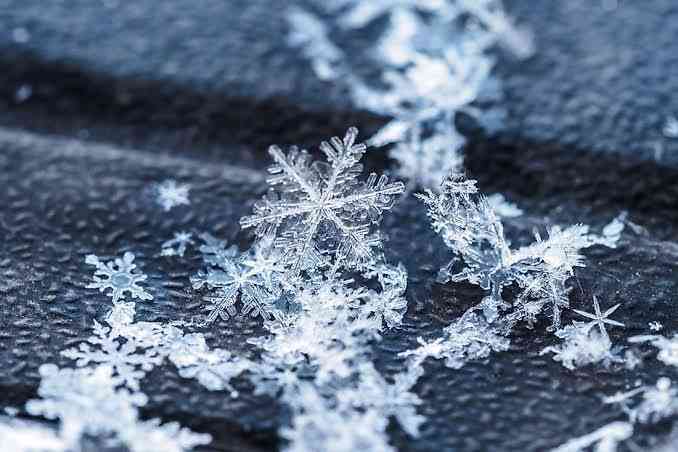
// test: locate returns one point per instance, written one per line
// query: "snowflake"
(118, 275)
(583, 346)
(170, 194)
(317, 208)
(502, 207)
(472, 230)
(310, 34)
(177, 245)
(655, 326)
(391, 399)
(605, 439)
(86, 401)
(23, 436)
(670, 128)
(657, 402)
(123, 359)
(386, 306)
(668, 348)
(599, 318)
(318, 427)
(213, 369)
(253, 275)
(468, 338)
(152, 436)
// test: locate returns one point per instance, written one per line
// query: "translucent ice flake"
(177, 245)
(170, 194)
(128, 361)
(472, 230)
(315, 208)
(252, 277)
(119, 276)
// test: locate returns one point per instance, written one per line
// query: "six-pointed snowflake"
(316, 208)
(170, 194)
(126, 360)
(118, 275)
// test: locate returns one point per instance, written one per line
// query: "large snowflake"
(315, 208)
(118, 275)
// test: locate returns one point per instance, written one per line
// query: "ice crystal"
(90, 401)
(86, 401)
(213, 368)
(119, 276)
(656, 402)
(434, 59)
(177, 245)
(605, 439)
(655, 326)
(310, 34)
(670, 128)
(170, 194)
(598, 318)
(315, 208)
(317, 426)
(251, 276)
(126, 360)
(502, 207)
(583, 346)
(472, 230)
(23, 436)
(468, 338)
(668, 348)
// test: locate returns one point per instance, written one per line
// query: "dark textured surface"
(66, 199)
(195, 91)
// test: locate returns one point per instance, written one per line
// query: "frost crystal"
(177, 245)
(668, 348)
(468, 338)
(118, 275)
(670, 128)
(502, 207)
(23, 436)
(102, 348)
(315, 208)
(473, 231)
(435, 61)
(605, 439)
(583, 346)
(310, 34)
(252, 275)
(656, 403)
(170, 194)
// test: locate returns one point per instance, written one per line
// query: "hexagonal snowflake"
(119, 276)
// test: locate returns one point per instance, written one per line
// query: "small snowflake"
(600, 319)
(655, 326)
(315, 206)
(251, 275)
(118, 275)
(177, 245)
(129, 365)
(170, 194)
(214, 369)
(582, 346)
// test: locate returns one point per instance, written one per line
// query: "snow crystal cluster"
(538, 274)
(434, 59)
